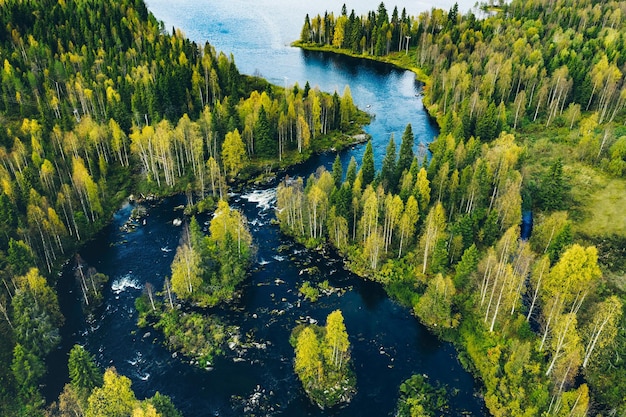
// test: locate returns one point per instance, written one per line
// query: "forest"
(530, 99)
(98, 101)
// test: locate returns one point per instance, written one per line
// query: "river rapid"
(388, 343)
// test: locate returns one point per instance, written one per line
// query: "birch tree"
(603, 328)
(434, 308)
(434, 230)
(186, 271)
(392, 211)
(233, 153)
(407, 223)
(540, 269)
(336, 338)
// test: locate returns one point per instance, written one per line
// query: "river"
(388, 343)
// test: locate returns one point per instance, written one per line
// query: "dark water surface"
(388, 343)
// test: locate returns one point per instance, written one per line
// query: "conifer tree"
(305, 34)
(84, 374)
(337, 171)
(388, 172)
(351, 171)
(367, 165)
(405, 156)
(265, 144)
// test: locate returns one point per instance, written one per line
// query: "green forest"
(530, 98)
(98, 102)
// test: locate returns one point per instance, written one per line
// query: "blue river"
(388, 342)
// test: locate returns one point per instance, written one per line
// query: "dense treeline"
(479, 185)
(97, 101)
(444, 239)
(528, 62)
(538, 320)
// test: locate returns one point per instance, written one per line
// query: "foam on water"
(264, 199)
(137, 359)
(144, 377)
(256, 222)
(123, 283)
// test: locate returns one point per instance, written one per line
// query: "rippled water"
(388, 343)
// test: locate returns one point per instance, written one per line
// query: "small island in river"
(323, 362)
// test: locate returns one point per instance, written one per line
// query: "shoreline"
(420, 75)
(391, 59)
(456, 340)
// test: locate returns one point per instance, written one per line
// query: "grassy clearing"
(602, 202)
(596, 202)
(599, 218)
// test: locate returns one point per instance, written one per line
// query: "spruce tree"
(405, 157)
(367, 165)
(351, 171)
(164, 405)
(265, 145)
(388, 173)
(337, 171)
(305, 34)
(553, 189)
(84, 373)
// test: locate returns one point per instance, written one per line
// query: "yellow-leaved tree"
(186, 271)
(233, 153)
(114, 399)
(322, 361)
(308, 363)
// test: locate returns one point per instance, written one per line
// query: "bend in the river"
(389, 344)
